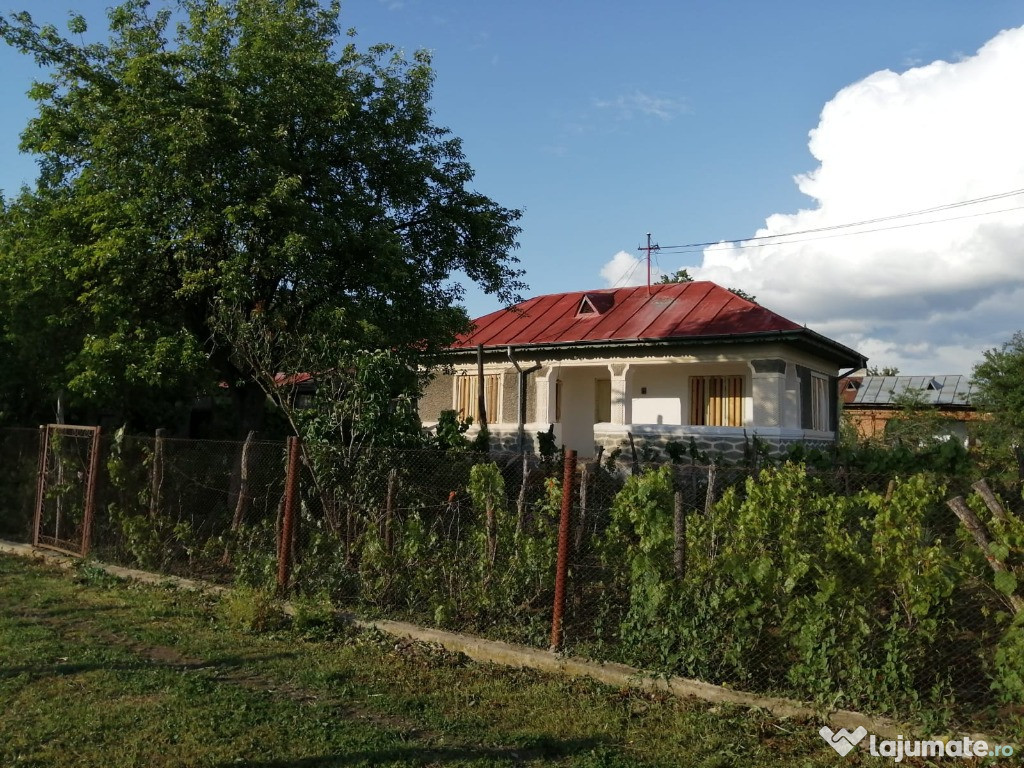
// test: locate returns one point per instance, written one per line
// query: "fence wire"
(852, 590)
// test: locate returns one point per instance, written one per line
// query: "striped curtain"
(716, 401)
(466, 401)
(819, 403)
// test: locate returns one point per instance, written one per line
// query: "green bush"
(788, 587)
(253, 610)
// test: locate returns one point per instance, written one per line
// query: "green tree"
(679, 276)
(917, 423)
(886, 370)
(683, 276)
(244, 172)
(998, 389)
(744, 295)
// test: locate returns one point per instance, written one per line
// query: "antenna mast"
(649, 248)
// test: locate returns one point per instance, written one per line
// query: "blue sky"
(607, 120)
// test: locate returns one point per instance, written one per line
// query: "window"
(820, 403)
(595, 304)
(467, 402)
(716, 401)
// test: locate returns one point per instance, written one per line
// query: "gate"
(66, 489)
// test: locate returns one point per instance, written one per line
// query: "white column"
(622, 393)
(547, 382)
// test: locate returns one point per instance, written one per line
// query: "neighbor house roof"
(882, 391)
(670, 312)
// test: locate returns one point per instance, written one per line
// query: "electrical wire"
(753, 242)
(624, 278)
(697, 248)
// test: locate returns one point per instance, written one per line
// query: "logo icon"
(842, 741)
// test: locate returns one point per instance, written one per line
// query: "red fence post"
(562, 568)
(291, 487)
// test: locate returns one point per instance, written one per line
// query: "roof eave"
(827, 348)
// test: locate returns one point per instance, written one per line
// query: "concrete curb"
(507, 654)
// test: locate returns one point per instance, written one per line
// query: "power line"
(753, 242)
(625, 277)
(698, 247)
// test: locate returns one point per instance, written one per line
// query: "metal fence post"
(90, 492)
(291, 487)
(563, 549)
(37, 518)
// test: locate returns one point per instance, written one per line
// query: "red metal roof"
(670, 311)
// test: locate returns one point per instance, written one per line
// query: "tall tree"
(248, 169)
(998, 385)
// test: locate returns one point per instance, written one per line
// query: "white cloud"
(624, 269)
(932, 298)
(628, 105)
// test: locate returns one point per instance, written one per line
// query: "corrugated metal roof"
(670, 311)
(883, 390)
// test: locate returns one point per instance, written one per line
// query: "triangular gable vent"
(594, 304)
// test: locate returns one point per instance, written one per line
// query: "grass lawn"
(95, 672)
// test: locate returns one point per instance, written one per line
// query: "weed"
(253, 610)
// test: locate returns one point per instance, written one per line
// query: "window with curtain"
(716, 401)
(467, 404)
(819, 403)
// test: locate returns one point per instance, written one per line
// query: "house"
(870, 402)
(664, 363)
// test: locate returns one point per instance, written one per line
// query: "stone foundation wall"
(506, 439)
(731, 446)
(651, 442)
(730, 449)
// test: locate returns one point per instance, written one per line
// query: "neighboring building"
(669, 362)
(871, 401)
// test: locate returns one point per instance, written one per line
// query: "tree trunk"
(157, 474)
(250, 403)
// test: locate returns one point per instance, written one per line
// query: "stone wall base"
(652, 441)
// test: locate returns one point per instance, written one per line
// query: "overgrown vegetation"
(789, 586)
(851, 589)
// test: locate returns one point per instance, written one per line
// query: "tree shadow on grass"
(540, 749)
(49, 616)
(39, 671)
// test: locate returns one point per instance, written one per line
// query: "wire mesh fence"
(19, 466)
(65, 499)
(859, 591)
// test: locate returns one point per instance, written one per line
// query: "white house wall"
(650, 397)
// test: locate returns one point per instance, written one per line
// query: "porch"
(719, 404)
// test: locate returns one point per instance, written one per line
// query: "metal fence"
(855, 591)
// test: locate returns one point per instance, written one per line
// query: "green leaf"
(1006, 582)
(999, 551)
